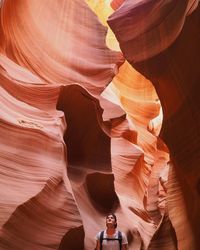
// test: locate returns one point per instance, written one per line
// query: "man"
(111, 238)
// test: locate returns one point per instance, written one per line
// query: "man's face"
(110, 221)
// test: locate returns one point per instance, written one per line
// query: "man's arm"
(124, 246)
(98, 245)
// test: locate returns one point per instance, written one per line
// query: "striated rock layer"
(169, 68)
(79, 135)
(38, 206)
(60, 41)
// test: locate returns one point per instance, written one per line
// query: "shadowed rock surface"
(73, 240)
(87, 144)
(175, 73)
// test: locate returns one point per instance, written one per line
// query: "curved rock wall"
(174, 71)
(79, 135)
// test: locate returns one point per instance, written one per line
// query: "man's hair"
(115, 217)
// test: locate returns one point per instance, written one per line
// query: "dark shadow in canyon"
(88, 146)
(73, 239)
(102, 192)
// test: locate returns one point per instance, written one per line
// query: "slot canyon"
(99, 113)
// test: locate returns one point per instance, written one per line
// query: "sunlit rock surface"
(53, 39)
(80, 136)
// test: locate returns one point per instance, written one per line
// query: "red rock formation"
(54, 42)
(38, 209)
(73, 150)
(176, 82)
(145, 28)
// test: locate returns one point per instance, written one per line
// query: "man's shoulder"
(98, 235)
(124, 238)
(120, 232)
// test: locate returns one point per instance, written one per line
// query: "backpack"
(119, 238)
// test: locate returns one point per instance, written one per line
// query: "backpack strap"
(120, 239)
(101, 239)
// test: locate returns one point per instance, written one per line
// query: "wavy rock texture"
(145, 28)
(176, 83)
(35, 190)
(103, 10)
(38, 208)
(54, 44)
(111, 169)
(73, 148)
